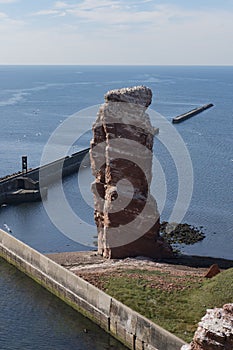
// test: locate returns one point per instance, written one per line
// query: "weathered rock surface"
(215, 331)
(213, 271)
(126, 214)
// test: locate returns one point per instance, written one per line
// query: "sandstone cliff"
(126, 214)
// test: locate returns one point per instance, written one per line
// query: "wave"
(158, 80)
(14, 99)
(16, 96)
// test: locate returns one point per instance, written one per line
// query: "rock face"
(215, 331)
(126, 214)
(213, 271)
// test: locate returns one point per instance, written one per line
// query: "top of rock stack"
(140, 95)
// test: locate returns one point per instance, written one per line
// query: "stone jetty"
(191, 113)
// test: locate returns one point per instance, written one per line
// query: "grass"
(181, 302)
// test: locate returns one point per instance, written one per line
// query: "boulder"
(215, 331)
(213, 271)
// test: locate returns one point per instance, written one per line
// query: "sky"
(116, 32)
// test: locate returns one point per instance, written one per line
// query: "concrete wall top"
(76, 284)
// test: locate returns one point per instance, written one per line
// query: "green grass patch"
(177, 310)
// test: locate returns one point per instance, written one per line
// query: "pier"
(191, 113)
(31, 185)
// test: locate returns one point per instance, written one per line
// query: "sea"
(48, 110)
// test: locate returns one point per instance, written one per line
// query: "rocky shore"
(175, 233)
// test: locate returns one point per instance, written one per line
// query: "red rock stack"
(126, 214)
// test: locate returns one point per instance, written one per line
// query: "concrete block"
(130, 340)
(36, 259)
(44, 263)
(143, 328)
(92, 295)
(34, 273)
(84, 305)
(100, 319)
(164, 340)
(123, 315)
(150, 347)
(1, 236)
(121, 332)
(104, 322)
(113, 326)
(77, 285)
(14, 245)
(139, 344)
(98, 298)
(104, 302)
(44, 279)
(56, 272)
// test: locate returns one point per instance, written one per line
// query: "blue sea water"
(35, 100)
(32, 318)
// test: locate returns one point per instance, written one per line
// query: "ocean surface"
(32, 318)
(192, 160)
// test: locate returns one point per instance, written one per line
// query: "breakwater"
(126, 325)
(31, 185)
(191, 113)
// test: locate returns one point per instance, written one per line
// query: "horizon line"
(116, 65)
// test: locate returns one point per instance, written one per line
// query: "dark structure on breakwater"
(30, 185)
(191, 113)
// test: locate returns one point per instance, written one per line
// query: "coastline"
(87, 258)
(158, 290)
(126, 325)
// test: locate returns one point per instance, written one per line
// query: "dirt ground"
(91, 266)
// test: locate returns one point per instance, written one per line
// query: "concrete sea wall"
(39, 178)
(191, 113)
(69, 165)
(126, 325)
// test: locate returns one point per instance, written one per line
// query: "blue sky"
(116, 32)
